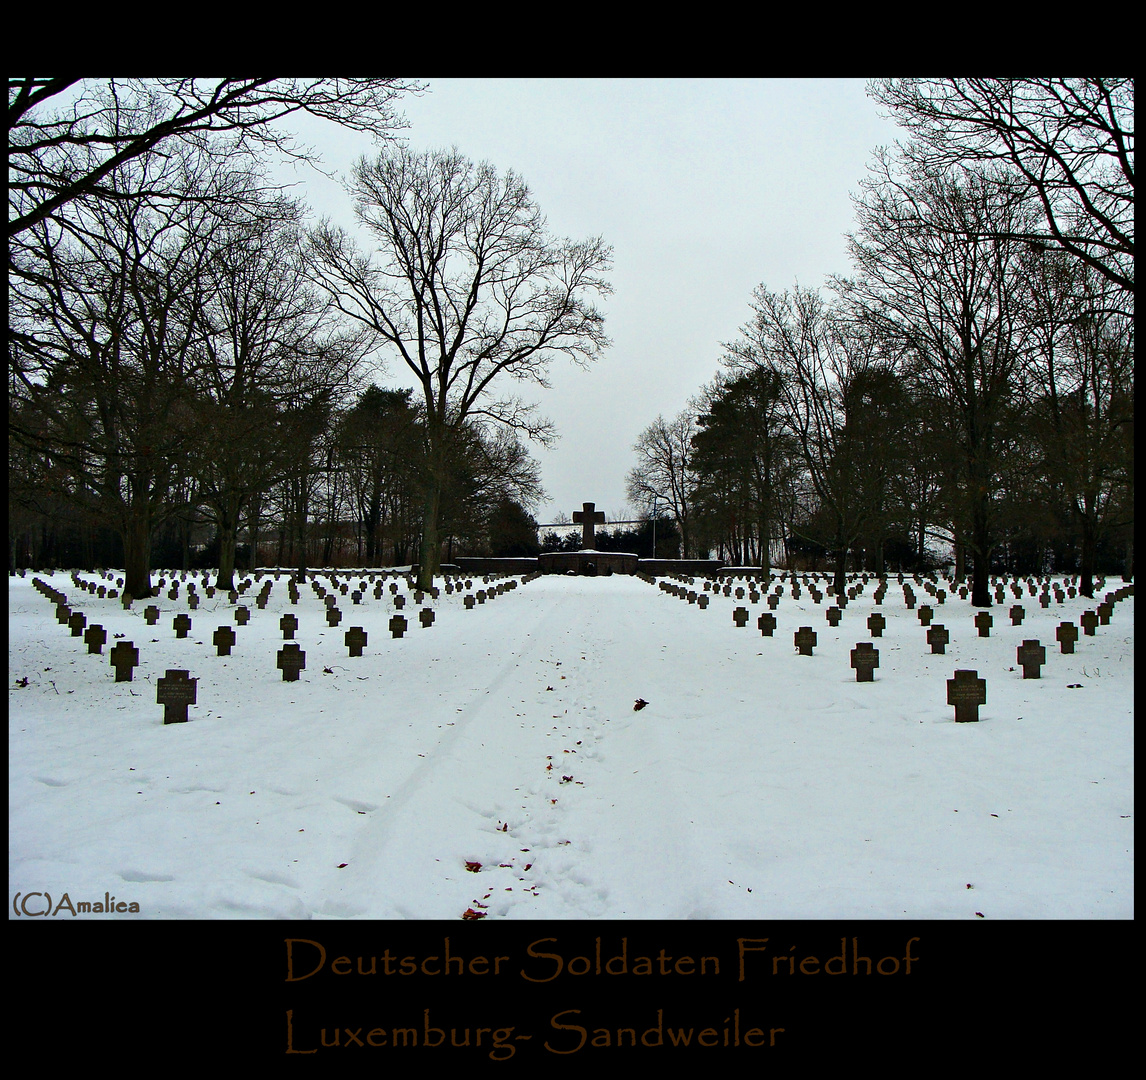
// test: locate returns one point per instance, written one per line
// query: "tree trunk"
(137, 556)
(429, 552)
(981, 547)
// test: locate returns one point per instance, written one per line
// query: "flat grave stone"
(223, 639)
(938, 638)
(876, 623)
(181, 624)
(1031, 655)
(766, 623)
(805, 639)
(865, 659)
(966, 691)
(291, 660)
(983, 623)
(398, 626)
(1066, 635)
(355, 640)
(124, 656)
(94, 638)
(175, 692)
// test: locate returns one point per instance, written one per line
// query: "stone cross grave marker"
(925, 613)
(397, 626)
(1032, 656)
(865, 658)
(151, 614)
(288, 624)
(1018, 613)
(937, 638)
(63, 614)
(1089, 621)
(124, 656)
(833, 615)
(966, 692)
(766, 623)
(193, 600)
(469, 601)
(399, 601)
(94, 637)
(355, 640)
(242, 615)
(291, 660)
(426, 617)
(1104, 610)
(223, 639)
(480, 594)
(175, 692)
(182, 624)
(587, 518)
(875, 624)
(126, 600)
(702, 601)
(1066, 635)
(805, 639)
(773, 600)
(333, 616)
(984, 622)
(76, 623)
(740, 616)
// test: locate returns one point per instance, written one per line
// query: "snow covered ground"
(494, 764)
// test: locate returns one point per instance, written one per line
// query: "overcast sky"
(705, 189)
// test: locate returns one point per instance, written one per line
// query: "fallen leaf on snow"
(473, 867)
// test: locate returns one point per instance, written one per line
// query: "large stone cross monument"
(586, 518)
(588, 560)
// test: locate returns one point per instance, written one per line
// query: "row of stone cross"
(176, 691)
(966, 692)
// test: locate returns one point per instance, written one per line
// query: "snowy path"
(756, 783)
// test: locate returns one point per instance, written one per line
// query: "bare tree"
(266, 333)
(822, 356)
(67, 137)
(938, 274)
(662, 475)
(1069, 141)
(106, 319)
(469, 289)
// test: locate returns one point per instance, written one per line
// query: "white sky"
(704, 189)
